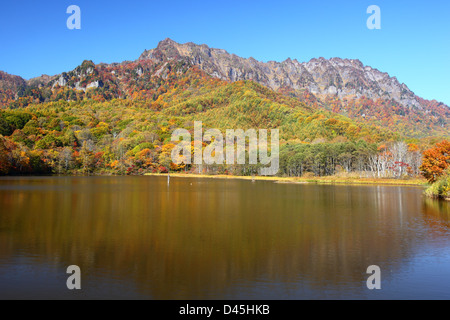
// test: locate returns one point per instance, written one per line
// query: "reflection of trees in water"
(437, 215)
(200, 240)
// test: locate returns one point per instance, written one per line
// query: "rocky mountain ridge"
(321, 77)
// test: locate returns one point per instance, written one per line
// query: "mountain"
(342, 86)
(322, 77)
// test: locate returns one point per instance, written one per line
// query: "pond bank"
(296, 180)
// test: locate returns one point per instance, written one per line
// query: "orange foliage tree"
(435, 161)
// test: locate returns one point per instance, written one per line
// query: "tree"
(87, 156)
(65, 157)
(5, 163)
(435, 161)
(165, 157)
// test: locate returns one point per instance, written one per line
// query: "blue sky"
(413, 43)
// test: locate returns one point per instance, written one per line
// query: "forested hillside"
(118, 119)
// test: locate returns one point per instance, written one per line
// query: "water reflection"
(207, 238)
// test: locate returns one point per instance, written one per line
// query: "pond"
(142, 238)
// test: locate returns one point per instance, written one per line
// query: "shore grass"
(440, 189)
(309, 180)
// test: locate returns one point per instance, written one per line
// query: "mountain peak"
(166, 42)
(166, 49)
(323, 77)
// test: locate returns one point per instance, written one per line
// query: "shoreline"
(330, 180)
(299, 180)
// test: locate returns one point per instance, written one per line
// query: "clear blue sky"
(413, 44)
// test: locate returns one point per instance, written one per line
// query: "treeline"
(394, 159)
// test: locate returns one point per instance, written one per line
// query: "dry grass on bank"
(304, 180)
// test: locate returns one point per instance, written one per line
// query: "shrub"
(441, 188)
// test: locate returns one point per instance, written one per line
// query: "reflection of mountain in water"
(207, 239)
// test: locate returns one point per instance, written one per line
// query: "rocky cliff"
(322, 77)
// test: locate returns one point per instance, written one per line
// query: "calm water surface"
(137, 237)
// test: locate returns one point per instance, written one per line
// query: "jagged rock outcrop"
(322, 77)
(40, 81)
